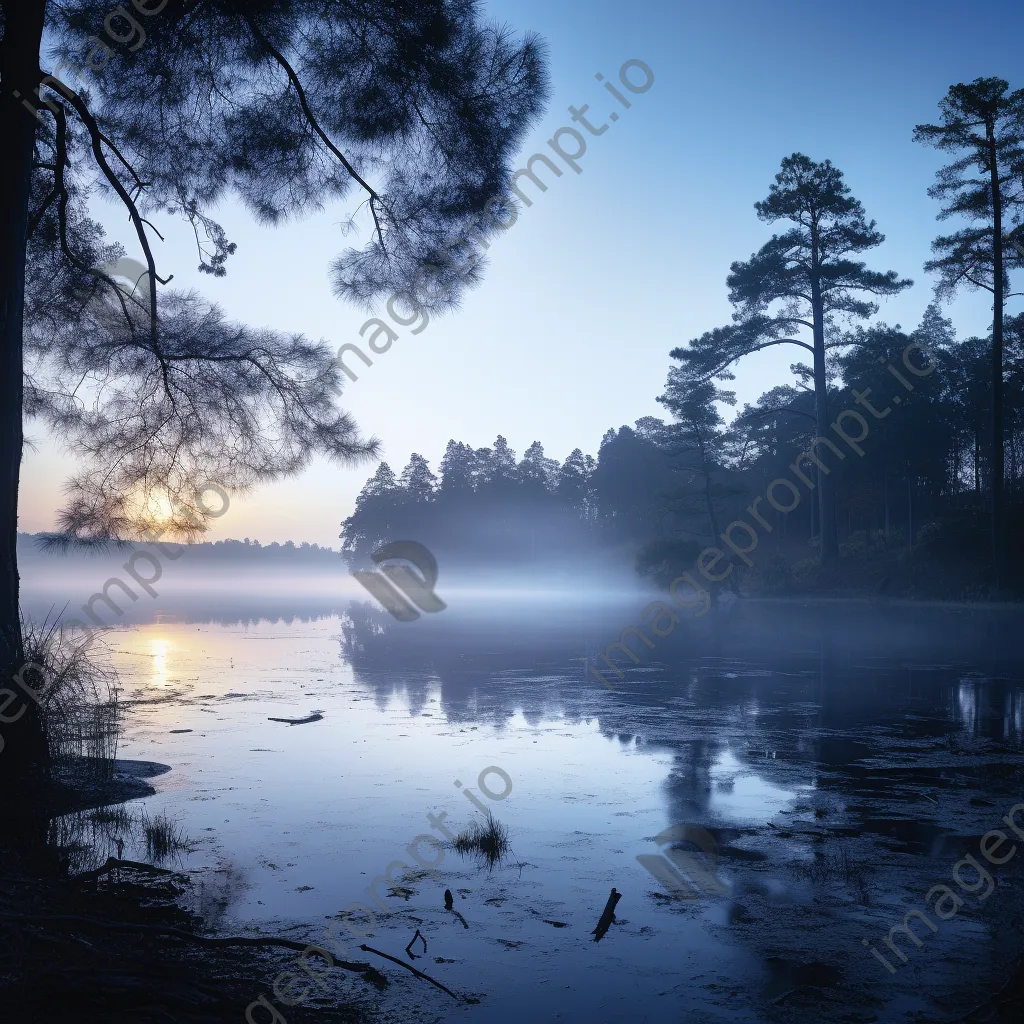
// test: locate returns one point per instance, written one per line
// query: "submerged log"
(114, 862)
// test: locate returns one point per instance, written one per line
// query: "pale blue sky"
(584, 297)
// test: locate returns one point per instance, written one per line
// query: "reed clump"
(76, 696)
(488, 840)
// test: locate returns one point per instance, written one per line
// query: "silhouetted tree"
(457, 469)
(417, 479)
(375, 515)
(697, 441)
(801, 280)
(573, 481)
(983, 123)
(537, 475)
(287, 106)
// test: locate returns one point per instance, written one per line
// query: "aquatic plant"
(116, 817)
(488, 840)
(76, 698)
(165, 838)
(826, 868)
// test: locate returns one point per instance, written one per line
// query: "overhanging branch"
(315, 124)
(755, 348)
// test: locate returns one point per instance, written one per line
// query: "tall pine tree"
(802, 281)
(983, 124)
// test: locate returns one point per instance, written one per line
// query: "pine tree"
(416, 106)
(983, 123)
(803, 280)
(537, 474)
(502, 463)
(697, 442)
(457, 468)
(572, 486)
(417, 480)
(377, 508)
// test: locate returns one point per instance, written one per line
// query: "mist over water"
(787, 730)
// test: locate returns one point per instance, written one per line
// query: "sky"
(610, 268)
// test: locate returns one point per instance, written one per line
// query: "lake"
(826, 764)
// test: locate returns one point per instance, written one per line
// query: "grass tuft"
(76, 697)
(165, 838)
(487, 840)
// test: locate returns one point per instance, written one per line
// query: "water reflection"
(777, 730)
(159, 647)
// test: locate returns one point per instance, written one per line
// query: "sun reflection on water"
(158, 648)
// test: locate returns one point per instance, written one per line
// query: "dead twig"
(607, 915)
(419, 936)
(408, 967)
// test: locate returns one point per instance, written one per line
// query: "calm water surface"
(777, 728)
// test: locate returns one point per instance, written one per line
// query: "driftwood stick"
(607, 915)
(418, 935)
(114, 862)
(409, 967)
(368, 970)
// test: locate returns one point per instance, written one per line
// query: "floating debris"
(314, 717)
(408, 949)
(607, 915)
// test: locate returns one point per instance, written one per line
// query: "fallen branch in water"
(369, 972)
(315, 717)
(408, 967)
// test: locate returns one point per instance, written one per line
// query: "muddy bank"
(87, 783)
(89, 950)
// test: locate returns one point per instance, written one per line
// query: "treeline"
(665, 489)
(942, 466)
(485, 507)
(250, 552)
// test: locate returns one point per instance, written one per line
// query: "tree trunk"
(19, 70)
(910, 512)
(709, 502)
(826, 502)
(998, 511)
(885, 487)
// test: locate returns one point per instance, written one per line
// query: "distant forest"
(935, 490)
(663, 490)
(248, 552)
